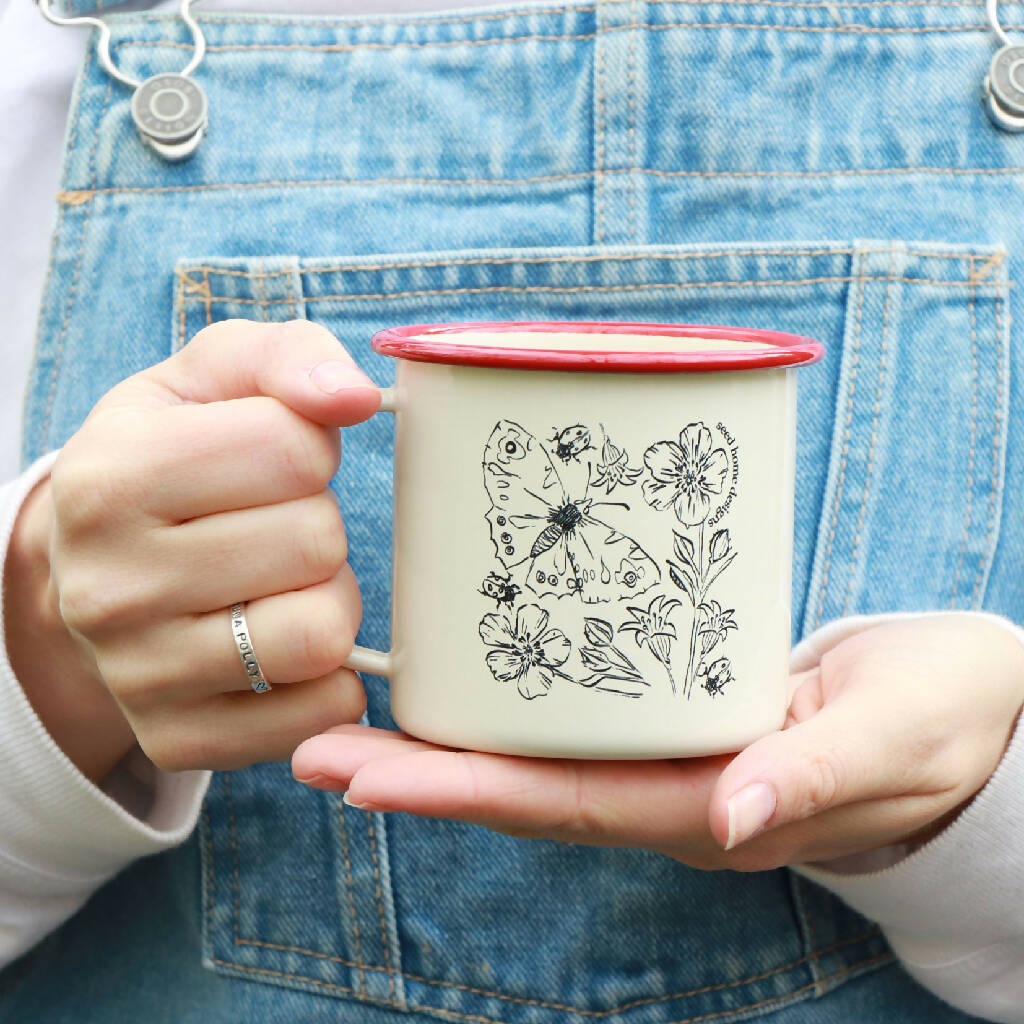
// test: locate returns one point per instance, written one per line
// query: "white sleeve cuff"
(952, 907)
(61, 836)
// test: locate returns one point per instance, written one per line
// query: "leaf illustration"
(684, 549)
(682, 581)
(598, 632)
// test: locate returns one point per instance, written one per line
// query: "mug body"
(592, 564)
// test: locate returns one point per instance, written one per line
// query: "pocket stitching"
(874, 426)
(972, 448)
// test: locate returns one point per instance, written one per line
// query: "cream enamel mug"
(593, 531)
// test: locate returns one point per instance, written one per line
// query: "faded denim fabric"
(826, 169)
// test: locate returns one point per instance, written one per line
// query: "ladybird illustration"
(571, 442)
(501, 588)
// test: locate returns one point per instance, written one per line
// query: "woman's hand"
(887, 739)
(197, 483)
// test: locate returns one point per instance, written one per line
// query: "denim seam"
(292, 308)
(844, 29)
(845, 447)
(384, 22)
(528, 289)
(351, 897)
(646, 1001)
(63, 195)
(72, 288)
(261, 297)
(599, 181)
(206, 297)
(380, 906)
(806, 929)
(234, 852)
(874, 429)
(442, 1011)
(782, 252)
(972, 447)
(632, 123)
(997, 448)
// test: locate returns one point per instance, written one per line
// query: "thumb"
(835, 757)
(298, 362)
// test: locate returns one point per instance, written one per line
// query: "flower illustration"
(720, 545)
(633, 576)
(716, 675)
(614, 468)
(685, 476)
(527, 652)
(715, 624)
(653, 630)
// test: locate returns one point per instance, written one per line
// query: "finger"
(250, 553)
(329, 760)
(232, 731)
(299, 635)
(297, 361)
(852, 749)
(616, 803)
(194, 460)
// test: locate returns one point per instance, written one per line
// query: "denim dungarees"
(826, 169)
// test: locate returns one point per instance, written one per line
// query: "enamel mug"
(593, 531)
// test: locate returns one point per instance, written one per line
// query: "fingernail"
(333, 376)
(318, 781)
(352, 803)
(749, 811)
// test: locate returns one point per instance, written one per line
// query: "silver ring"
(240, 631)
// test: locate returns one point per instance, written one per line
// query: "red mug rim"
(427, 343)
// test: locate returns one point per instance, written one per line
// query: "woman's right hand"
(194, 484)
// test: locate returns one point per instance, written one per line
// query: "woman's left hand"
(886, 741)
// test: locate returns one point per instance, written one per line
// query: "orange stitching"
(384, 22)
(861, 937)
(354, 47)
(261, 295)
(430, 22)
(972, 445)
(380, 906)
(874, 432)
(181, 312)
(59, 354)
(293, 309)
(605, 256)
(234, 845)
(326, 182)
(852, 29)
(206, 298)
(359, 964)
(996, 448)
(491, 1020)
(659, 286)
(351, 898)
(855, 358)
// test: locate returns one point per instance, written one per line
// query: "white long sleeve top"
(943, 906)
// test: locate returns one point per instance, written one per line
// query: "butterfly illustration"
(535, 519)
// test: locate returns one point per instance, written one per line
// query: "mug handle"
(366, 659)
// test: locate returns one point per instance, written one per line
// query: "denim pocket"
(899, 474)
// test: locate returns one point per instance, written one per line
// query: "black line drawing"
(571, 442)
(715, 675)
(685, 477)
(652, 629)
(501, 588)
(549, 542)
(603, 659)
(530, 654)
(614, 468)
(534, 518)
